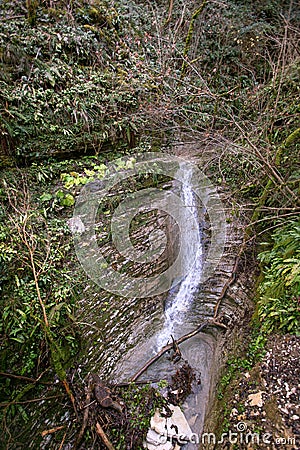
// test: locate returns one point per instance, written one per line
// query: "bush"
(279, 301)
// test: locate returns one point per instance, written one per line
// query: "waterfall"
(178, 305)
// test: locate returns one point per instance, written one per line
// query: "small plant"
(279, 300)
(162, 384)
(141, 401)
(255, 352)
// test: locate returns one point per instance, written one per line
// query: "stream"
(177, 306)
(122, 334)
(183, 311)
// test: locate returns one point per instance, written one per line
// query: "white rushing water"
(178, 305)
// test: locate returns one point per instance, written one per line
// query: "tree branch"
(178, 341)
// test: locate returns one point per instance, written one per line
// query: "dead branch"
(52, 430)
(170, 12)
(12, 17)
(103, 436)
(62, 442)
(171, 346)
(20, 377)
(24, 402)
(85, 414)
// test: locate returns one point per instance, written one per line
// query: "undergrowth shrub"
(279, 299)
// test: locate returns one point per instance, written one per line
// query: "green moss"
(292, 138)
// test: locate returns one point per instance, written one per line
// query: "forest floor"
(264, 401)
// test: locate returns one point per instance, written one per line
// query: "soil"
(264, 404)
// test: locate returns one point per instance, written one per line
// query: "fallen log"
(171, 346)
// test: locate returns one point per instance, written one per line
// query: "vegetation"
(142, 403)
(279, 301)
(236, 364)
(84, 82)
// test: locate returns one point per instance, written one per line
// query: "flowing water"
(178, 306)
(121, 335)
(183, 311)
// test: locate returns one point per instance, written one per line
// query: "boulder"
(177, 423)
(165, 431)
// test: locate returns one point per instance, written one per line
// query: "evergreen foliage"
(279, 301)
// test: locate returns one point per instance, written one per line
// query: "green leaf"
(45, 197)
(68, 200)
(89, 173)
(60, 195)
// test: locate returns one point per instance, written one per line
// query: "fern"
(279, 299)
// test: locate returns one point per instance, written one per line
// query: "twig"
(71, 396)
(85, 415)
(52, 430)
(128, 383)
(62, 442)
(24, 402)
(11, 17)
(103, 436)
(89, 404)
(170, 12)
(20, 377)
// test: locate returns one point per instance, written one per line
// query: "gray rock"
(174, 427)
(76, 225)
